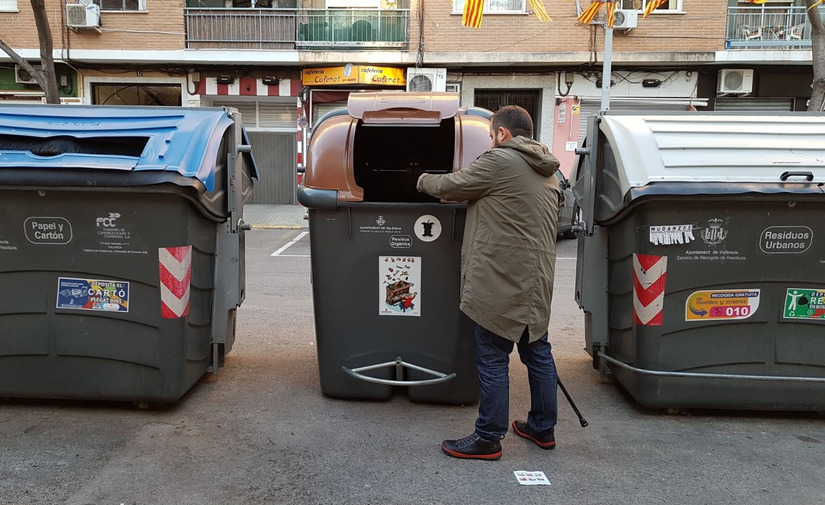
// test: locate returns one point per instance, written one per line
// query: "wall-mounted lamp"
(569, 78)
(270, 80)
(225, 79)
(651, 83)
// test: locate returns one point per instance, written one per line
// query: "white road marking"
(290, 244)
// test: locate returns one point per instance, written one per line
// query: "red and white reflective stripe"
(300, 138)
(175, 275)
(249, 86)
(649, 274)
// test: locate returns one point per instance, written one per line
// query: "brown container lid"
(330, 157)
(400, 107)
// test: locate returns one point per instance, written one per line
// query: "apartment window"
(530, 99)
(639, 5)
(121, 5)
(494, 6)
(8, 5)
(136, 94)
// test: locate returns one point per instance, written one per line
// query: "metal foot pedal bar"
(702, 375)
(399, 365)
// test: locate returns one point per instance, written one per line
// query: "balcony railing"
(768, 27)
(290, 29)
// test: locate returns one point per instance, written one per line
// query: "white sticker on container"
(427, 228)
(672, 234)
(399, 285)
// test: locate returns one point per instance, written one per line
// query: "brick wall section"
(161, 27)
(701, 28)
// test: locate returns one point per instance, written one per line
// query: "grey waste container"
(121, 249)
(700, 272)
(386, 259)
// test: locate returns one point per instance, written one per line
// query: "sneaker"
(545, 440)
(472, 447)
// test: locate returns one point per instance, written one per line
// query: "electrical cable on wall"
(419, 57)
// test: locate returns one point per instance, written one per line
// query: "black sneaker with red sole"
(546, 440)
(472, 447)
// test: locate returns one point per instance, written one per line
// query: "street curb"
(277, 227)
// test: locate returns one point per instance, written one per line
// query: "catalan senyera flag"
(815, 4)
(538, 8)
(590, 12)
(758, 1)
(473, 10)
(611, 14)
(652, 6)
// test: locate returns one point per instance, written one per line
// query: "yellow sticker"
(723, 304)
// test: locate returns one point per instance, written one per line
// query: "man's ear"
(505, 134)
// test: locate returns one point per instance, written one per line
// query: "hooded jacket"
(508, 254)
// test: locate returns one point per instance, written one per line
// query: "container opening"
(54, 146)
(388, 160)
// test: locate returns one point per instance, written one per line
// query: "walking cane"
(582, 420)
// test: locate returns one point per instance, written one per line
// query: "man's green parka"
(509, 251)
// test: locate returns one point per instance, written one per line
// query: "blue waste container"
(121, 249)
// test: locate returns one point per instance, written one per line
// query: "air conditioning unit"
(625, 19)
(426, 79)
(739, 81)
(22, 76)
(82, 15)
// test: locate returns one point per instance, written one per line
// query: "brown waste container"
(385, 258)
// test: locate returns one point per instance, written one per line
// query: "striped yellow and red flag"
(473, 11)
(652, 6)
(538, 8)
(815, 4)
(760, 1)
(589, 13)
(611, 14)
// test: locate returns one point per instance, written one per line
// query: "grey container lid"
(713, 147)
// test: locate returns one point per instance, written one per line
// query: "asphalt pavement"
(275, 216)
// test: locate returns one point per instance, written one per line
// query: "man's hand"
(418, 184)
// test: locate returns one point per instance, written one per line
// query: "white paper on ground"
(531, 478)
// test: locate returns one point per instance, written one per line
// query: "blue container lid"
(185, 140)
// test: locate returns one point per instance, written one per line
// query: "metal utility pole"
(607, 67)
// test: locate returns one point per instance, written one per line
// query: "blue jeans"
(492, 361)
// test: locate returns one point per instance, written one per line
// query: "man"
(507, 263)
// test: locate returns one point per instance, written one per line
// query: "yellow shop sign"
(353, 74)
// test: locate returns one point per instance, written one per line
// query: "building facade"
(284, 63)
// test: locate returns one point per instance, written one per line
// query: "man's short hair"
(514, 118)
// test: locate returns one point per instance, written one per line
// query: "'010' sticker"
(723, 304)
